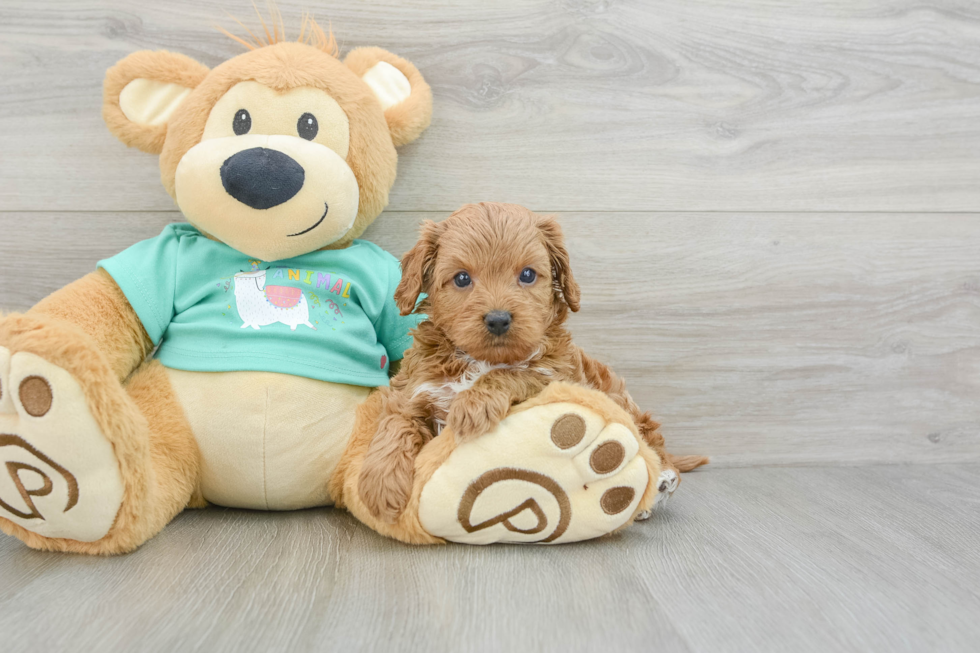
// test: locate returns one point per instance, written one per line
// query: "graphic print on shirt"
(260, 305)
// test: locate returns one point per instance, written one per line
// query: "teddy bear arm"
(97, 306)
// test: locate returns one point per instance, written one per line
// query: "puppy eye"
(528, 275)
(307, 126)
(462, 280)
(242, 122)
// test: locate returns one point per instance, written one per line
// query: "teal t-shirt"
(327, 315)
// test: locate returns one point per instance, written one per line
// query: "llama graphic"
(260, 305)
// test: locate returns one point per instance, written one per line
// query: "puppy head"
(497, 276)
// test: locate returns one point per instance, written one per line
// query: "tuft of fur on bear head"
(279, 151)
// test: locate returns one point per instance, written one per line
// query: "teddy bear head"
(277, 152)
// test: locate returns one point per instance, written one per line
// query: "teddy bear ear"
(404, 96)
(142, 91)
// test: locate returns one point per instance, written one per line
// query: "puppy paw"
(556, 472)
(667, 483)
(474, 413)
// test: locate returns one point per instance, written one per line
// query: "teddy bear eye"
(528, 275)
(242, 122)
(307, 126)
(462, 280)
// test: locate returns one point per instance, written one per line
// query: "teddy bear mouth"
(317, 224)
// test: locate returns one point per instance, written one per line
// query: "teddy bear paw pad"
(59, 477)
(550, 474)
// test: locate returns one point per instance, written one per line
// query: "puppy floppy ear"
(567, 290)
(417, 268)
(142, 91)
(404, 96)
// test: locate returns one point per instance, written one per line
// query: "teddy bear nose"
(262, 178)
(498, 322)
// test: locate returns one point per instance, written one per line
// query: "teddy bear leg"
(88, 465)
(565, 466)
(344, 488)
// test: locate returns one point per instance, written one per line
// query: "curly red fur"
(458, 374)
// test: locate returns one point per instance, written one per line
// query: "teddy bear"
(233, 359)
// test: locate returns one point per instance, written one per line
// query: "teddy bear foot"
(59, 476)
(555, 472)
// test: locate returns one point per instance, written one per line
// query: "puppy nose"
(262, 178)
(497, 322)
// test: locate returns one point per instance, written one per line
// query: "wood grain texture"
(573, 105)
(756, 339)
(772, 208)
(809, 559)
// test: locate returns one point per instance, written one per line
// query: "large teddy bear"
(232, 359)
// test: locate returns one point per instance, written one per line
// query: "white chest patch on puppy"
(441, 395)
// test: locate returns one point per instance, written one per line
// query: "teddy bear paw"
(553, 473)
(59, 477)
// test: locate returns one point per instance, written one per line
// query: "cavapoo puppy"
(498, 290)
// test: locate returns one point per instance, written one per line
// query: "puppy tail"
(687, 463)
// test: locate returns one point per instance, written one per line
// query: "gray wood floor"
(774, 210)
(876, 558)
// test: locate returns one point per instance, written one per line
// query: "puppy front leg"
(388, 469)
(479, 409)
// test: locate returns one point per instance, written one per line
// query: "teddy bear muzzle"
(269, 196)
(262, 178)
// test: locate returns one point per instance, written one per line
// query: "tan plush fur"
(343, 484)
(406, 526)
(310, 33)
(168, 67)
(373, 133)
(90, 330)
(406, 120)
(95, 305)
(492, 244)
(150, 438)
(281, 67)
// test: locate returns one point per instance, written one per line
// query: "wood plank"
(585, 105)
(756, 339)
(808, 559)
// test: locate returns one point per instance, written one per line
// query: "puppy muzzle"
(497, 322)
